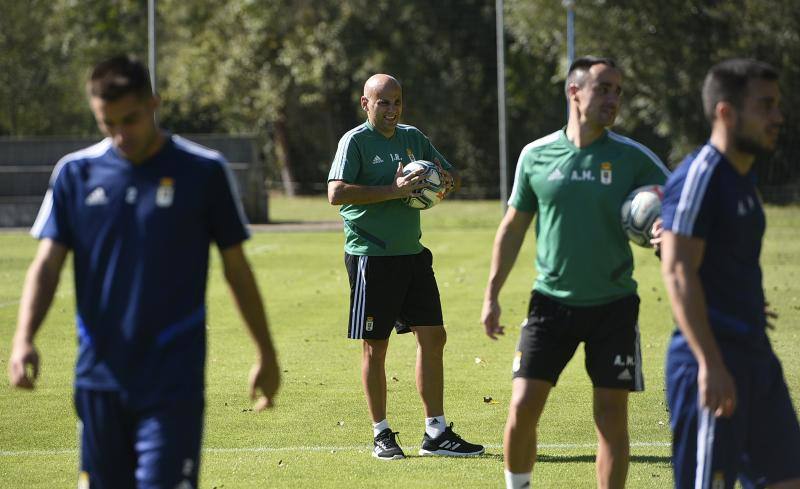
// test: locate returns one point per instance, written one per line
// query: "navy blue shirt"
(707, 198)
(140, 237)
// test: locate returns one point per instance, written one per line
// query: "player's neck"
(582, 134)
(388, 133)
(741, 161)
(154, 147)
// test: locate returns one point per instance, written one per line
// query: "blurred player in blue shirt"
(731, 413)
(139, 211)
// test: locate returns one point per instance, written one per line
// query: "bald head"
(378, 83)
(383, 103)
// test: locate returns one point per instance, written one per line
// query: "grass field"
(319, 434)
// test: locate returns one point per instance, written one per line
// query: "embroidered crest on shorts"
(83, 480)
(719, 480)
(369, 324)
(517, 361)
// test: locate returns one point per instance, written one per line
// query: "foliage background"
(291, 71)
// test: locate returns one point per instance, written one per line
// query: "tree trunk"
(282, 155)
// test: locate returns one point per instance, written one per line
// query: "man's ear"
(726, 113)
(364, 102)
(572, 90)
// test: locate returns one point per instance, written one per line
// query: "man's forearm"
(248, 300)
(40, 286)
(347, 193)
(506, 247)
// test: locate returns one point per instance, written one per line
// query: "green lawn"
(319, 434)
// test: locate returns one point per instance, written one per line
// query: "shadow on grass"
(640, 459)
(565, 459)
(484, 456)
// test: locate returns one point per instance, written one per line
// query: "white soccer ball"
(639, 211)
(432, 193)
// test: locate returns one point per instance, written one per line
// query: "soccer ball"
(432, 193)
(639, 211)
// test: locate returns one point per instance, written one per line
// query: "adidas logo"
(555, 175)
(625, 375)
(450, 445)
(434, 422)
(97, 197)
(377, 160)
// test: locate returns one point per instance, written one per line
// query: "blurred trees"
(46, 50)
(665, 49)
(295, 69)
(291, 71)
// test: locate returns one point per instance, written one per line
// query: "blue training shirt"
(140, 237)
(707, 198)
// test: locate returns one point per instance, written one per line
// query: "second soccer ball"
(639, 211)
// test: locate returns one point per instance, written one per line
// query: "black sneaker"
(386, 447)
(449, 444)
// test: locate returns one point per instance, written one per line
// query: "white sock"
(378, 427)
(518, 481)
(435, 426)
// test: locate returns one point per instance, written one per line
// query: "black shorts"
(391, 292)
(610, 333)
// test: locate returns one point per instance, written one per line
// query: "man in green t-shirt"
(575, 180)
(392, 284)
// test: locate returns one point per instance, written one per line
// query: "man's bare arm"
(37, 295)
(507, 243)
(341, 192)
(681, 257)
(265, 374)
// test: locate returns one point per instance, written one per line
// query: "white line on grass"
(8, 304)
(312, 448)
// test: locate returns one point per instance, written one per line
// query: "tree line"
(291, 71)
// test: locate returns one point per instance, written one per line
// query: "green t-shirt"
(367, 157)
(582, 253)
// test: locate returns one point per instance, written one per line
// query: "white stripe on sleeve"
(337, 171)
(46, 209)
(641, 147)
(539, 142)
(693, 191)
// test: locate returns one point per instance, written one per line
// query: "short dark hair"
(117, 77)
(579, 67)
(727, 82)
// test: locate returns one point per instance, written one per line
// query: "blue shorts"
(759, 444)
(121, 448)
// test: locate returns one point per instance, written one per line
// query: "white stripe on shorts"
(359, 300)
(705, 448)
(638, 375)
